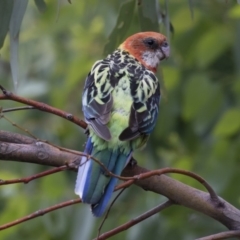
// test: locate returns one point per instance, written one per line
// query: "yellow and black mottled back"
(98, 98)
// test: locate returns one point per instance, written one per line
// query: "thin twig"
(108, 211)
(33, 177)
(212, 193)
(222, 235)
(17, 109)
(135, 221)
(3, 89)
(41, 106)
(40, 213)
(19, 127)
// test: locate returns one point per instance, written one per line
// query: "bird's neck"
(147, 59)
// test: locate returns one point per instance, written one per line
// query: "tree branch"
(16, 147)
(134, 221)
(222, 235)
(40, 213)
(41, 106)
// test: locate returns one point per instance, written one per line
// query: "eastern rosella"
(120, 103)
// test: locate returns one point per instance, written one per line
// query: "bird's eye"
(150, 42)
(165, 44)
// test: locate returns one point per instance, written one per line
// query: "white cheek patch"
(166, 51)
(151, 58)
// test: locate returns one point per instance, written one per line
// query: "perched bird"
(120, 103)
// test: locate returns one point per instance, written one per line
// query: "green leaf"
(234, 12)
(19, 8)
(123, 23)
(6, 7)
(148, 15)
(197, 92)
(41, 5)
(166, 20)
(229, 124)
(210, 110)
(209, 47)
(14, 43)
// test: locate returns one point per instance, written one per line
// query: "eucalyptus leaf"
(123, 23)
(205, 53)
(148, 15)
(6, 7)
(19, 8)
(164, 17)
(41, 5)
(14, 43)
(229, 124)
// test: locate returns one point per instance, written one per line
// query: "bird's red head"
(149, 48)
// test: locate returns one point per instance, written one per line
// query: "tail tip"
(97, 210)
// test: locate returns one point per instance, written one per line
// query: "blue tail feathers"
(94, 185)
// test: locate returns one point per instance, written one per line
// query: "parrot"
(120, 103)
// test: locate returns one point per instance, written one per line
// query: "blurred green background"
(198, 128)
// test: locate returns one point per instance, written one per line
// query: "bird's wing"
(97, 98)
(144, 110)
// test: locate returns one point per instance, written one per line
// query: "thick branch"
(15, 147)
(188, 197)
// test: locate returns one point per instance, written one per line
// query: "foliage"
(198, 128)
